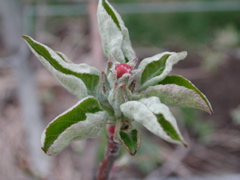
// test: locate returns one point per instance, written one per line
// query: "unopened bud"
(123, 69)
(111, 131)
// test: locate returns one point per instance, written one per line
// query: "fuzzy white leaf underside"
(175, 95)
(73, 84)
(90, 128)
(116, 42)
(143, 112)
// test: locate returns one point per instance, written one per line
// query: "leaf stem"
(111, 155)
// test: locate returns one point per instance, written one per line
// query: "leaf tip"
(183, 55)
(132, 153)
(211, 112)
(24, 36)
(44, 150)
(185, 144)
(209, 109)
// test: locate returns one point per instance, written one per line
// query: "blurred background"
(209, 30)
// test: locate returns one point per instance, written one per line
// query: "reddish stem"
(111, 155)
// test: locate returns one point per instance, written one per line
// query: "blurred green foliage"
(184, 29)
(149, 154)
(169, 29)
(198, 126)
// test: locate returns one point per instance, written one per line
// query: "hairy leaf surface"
(157, 67)
(118, 95)
(79, 79)
(178, 91)
(114, 34)
(155, 116)
(84, 120)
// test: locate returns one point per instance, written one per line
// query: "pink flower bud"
(123, 69)
(111, 129)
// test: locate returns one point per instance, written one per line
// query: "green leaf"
(64, 57)
(178, 91)
(114, 34)
(111, 13)
(157, 67)
(131, 140)
(154, 68)
(79, 79)
(168, 128)
(155, 116)
(84, 120)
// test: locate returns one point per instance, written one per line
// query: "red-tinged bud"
(111, 129)
(123, 69)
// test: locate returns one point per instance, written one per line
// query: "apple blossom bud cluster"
(120, 83)
(120, 95)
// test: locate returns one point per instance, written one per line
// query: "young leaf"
(114, 34)
(155, 116)
(131, 140)
(84, 120)
(178, 91)
(157, 67)
(118, 95)
(64, 57)
(79, 79)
